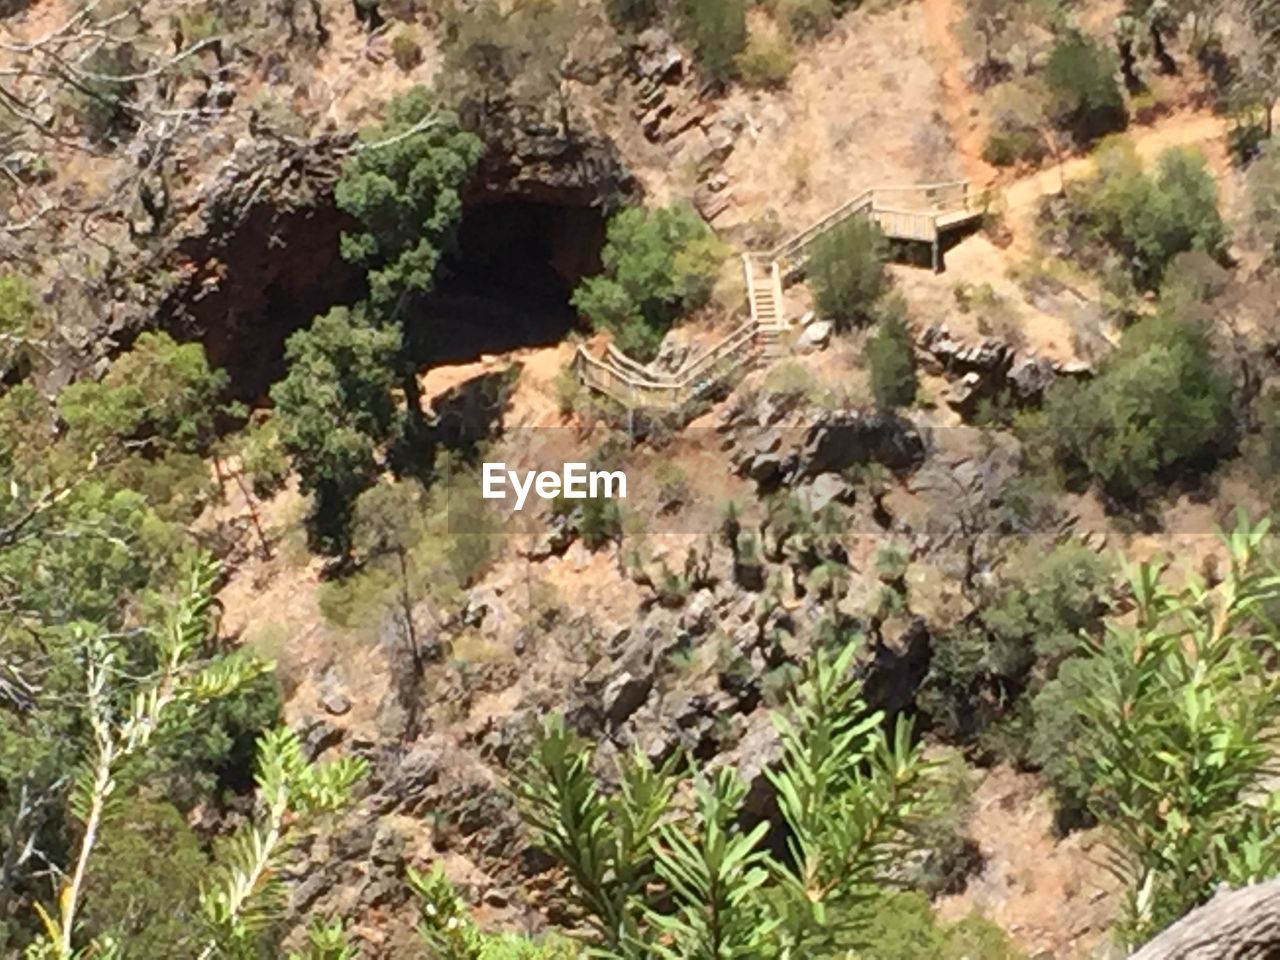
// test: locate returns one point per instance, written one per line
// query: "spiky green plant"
(248, 895)
(123, 714)
(656, 879)
(1180, 711)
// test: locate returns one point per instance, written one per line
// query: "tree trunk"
(1237, 925)
(406, 602)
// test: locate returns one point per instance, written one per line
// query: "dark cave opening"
(252, 289)
(507, 284)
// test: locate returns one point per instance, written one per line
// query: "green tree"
(1158, 401)
(1084, 96)
(846, 269)
(404, 187)
(891, 358)
(161, 395)
(717, 29)
(334, 410)
(658, 264)
(145, 883)
(1175, 716)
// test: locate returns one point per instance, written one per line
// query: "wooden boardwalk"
(922, 213)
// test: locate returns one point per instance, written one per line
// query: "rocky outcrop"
(528, 158)
(835, 442)
(990, 368)
(670, 107)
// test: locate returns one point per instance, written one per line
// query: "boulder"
(815, 336)
(767, 470)
(1030, 377)
(624, 695)
(828, 488)
(656, 57)
(840, 440)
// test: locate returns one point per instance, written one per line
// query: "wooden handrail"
(634, 384)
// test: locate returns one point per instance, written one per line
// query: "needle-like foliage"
(655, 877)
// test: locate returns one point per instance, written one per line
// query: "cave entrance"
(508, 283)
(506, 286)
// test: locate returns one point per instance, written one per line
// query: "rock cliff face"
(249, 253)
(531, 159)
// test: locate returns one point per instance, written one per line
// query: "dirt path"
(1022, 196)
(959, 104)
(962, 108)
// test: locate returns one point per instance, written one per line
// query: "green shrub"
(195, 25)
(901, 926)
(22, 325)
(1007, 148)
(658, 265)
(1158, 401)
(847, 271)
(1027, 624)
(262, 458)
(146, 882)
(891, 358)
(160, 394)
(767, 60)
(1085, 98)
(804, 19)
(1148, 219)
(1172, 734)
(406, 51)
(717, 29)
(631, 15)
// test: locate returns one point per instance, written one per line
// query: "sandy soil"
(1053, 897)
(861, 109)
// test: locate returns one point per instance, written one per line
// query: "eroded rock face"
(841, 440)
(250, 252)
(529, 158)
(834, 442)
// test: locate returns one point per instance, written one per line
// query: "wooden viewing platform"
(922, 213)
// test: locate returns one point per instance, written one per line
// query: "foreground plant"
(1179, 710)
(656, 879)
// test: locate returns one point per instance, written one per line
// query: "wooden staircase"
(922, 213)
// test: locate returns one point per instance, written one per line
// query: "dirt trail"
(960, 105)
(1022, 196)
